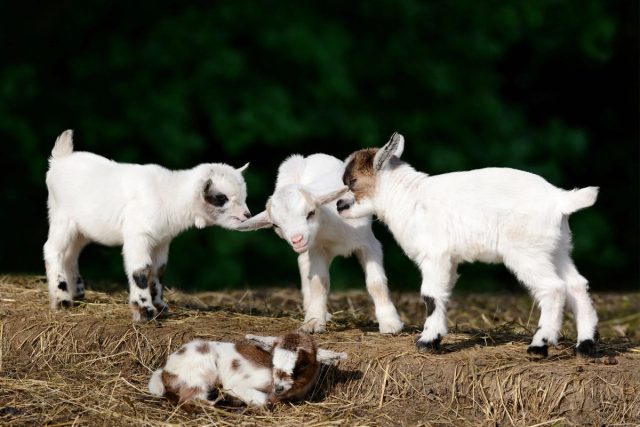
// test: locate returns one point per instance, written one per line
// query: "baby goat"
(489, 215)
(298, 213)
(142, 207)
(260, 371)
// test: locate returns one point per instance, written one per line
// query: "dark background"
(550, 87)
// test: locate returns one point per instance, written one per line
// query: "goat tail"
(63, 146)
(574, 200)
(156, 386)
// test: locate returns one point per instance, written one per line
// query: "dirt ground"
(90, 365)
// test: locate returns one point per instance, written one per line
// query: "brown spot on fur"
(182, 350)
(306, 368)
(254, 354)
(298, 340)
(235, 365)
(176, 391)
(136, 307)
(359, 174)
(203, 348)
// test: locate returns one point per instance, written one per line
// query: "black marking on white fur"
(141, 277)
(216, 199)
(63, 286)
(430, 303)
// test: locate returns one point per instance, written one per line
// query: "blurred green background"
(548, 86)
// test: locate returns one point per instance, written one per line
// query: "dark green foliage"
(546, 86)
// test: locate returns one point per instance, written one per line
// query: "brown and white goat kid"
(258, 371)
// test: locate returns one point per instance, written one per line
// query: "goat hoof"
(430, 347)
(64, 304)
(391, 327)
(586, 348)
(313, 326)
(162, 309)
(79, 296)
(539, 350)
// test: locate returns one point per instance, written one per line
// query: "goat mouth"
(301, 248)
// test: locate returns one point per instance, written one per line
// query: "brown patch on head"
(294, 341)
(254, 354)
(306, 368)
(203, 348)
(182, 350)
(235, 364)
(359, 174)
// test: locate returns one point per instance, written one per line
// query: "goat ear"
(330, 196)
(243, 168)
(394, 147)
(256, 222)
(207, 191)
(329, 357)
(265, 343)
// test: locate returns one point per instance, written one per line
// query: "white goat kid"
(142, 207)
(259, 371)
(489, 215)
(299, 213)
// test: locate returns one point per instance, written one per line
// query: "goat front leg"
(160, 258)
(315, 319)
(138, 262)
(437, 281)
(370, 258)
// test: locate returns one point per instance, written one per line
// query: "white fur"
(490, 215)
(307, 185)
(142, 207)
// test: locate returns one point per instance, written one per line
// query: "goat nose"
(247, 214)
(279, 389)
(342, 205)
(296, 239)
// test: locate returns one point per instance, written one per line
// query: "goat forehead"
(288, 203)
(360, 163)
(284, 360)
(230, 185)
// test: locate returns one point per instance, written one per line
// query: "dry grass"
(90, 365)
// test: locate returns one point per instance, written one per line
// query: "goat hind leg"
(61, 234)
(549, 290)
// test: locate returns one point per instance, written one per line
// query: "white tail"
(156, 386)
(577, 199)
(64, 145)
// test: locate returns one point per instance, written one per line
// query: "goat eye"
(352, 182)
(311, 214)
(217, 199)
(221, 199)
